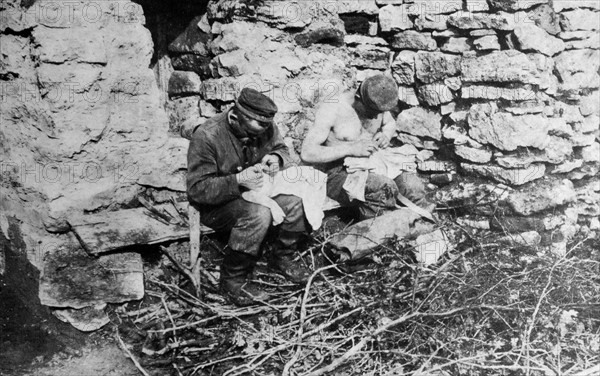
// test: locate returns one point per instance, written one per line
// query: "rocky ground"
(494, 304)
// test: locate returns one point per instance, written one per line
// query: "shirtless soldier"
(356, 126)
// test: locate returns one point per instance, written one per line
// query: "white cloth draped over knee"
(390, 162)
(302, 181)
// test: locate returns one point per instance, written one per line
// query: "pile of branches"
(484, 309)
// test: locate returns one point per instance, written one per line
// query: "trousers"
(248, 222)
(380, 191)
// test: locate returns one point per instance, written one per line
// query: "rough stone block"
(16, 56)
(61, 79)
(454, 83)
(505, 131)
(437, 22)
(541, 196)
(592, 42)
(403, 67)
(559, 127)
(532, 38)
(567, 166)
(184, 83)
(591, 153)
(352, 6)
(557, 151)
(482, 33)
(394, 18)
(488, 42)
(560, 5)
(456, 45)
(283, 14)
(445, 33)
(181, 110)
(17, 19)
(327, 32)
(60, 45)
(499, 66)
(429, 8)
(435, 94)
(580, 19)
(512, 176)
(418, 121)
(388, 2)
(544, 17)
(470, 21)
(519, 93)
(582, 139)
(407, 95)
(436, 165)
(85, 319)
(233, 63)
(588, 125)
(192, 40)
(169, 173)
(192, 63)
(578, 69)
(476, 155)
(207, 109)
(243, 35)
(590, 104)
(477, 5)
(414, 40)
(369, 56)
(575, 35)
(448, 108)
(513, 5)
(88, 281)
(435, 66)
(417, 142)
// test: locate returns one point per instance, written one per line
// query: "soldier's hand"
(382, 140)
(270, 164)
(251, 178)
(363, 148)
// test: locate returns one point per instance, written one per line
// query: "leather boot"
(234, 280)
(283, 258)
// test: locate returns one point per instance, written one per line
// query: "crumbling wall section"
(82, 129)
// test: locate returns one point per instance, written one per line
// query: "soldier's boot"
(285, 258)
(234, 282)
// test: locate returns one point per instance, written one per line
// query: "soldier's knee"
(258, 217)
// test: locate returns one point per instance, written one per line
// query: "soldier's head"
(376, 94)
(254, 112)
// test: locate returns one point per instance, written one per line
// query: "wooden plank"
(195, 232)
(110, 231)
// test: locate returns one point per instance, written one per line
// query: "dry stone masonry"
(506, 89)
(502, 94)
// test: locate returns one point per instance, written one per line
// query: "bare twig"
(130, 355)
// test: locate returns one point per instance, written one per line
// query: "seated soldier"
(227, 155)
(356, 126)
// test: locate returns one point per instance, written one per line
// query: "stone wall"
(504, 93)
(82, 129)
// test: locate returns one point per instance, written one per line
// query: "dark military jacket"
(215, 155)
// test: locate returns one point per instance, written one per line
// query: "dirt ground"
(104, 360)
(34, 344)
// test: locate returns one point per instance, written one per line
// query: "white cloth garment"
(302, 181)
(390, 162)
